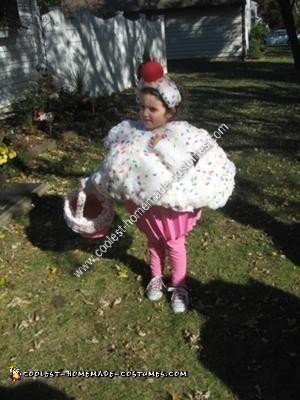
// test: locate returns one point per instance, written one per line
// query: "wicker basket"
(88, 213)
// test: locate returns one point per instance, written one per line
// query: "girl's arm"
(169, 155)
(200, 142)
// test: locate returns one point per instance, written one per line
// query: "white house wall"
(204, 33)
(19, 55)
(105, 52)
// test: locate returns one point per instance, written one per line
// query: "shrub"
(257, 38)
(23, 106)
(254, 49)
(259, 32)
(39, 96)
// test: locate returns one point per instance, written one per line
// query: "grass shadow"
(32, 391)
(284, 236)
(48, 231)
(47, 228)
(250, 339)
(237, 70)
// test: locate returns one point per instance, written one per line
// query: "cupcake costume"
(133, 170)
(168, 178)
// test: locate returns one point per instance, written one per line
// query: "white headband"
(165, 87)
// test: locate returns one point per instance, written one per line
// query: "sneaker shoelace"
(156, 283)
(179, 294)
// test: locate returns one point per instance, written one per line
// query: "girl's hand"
(156, 138)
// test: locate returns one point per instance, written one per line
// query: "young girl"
(152, 160)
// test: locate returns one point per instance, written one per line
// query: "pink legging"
(177, 258)
(166, 232)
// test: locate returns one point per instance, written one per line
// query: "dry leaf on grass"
(53, 270)
(100, 312)
(94, 340)
(193, 339)
(104, 303)
(121, 272)
(175, 396)
(17, 301)
(38, 333)
(198, 395)
(87, 302)
(202, 395)
(36, 346)
(117, 301)
(23, 325)
(140, 332)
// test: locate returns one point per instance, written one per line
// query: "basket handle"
(80, 204)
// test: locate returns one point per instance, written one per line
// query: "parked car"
(278, 37)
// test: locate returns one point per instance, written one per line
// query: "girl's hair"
(179, 110)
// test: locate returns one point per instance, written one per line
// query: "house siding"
(19, 54)
(208, 33)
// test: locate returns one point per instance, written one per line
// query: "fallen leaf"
(38, 333)
(37, 345)
(140, 332)
(175, 396)
(23, 325)
(104, 303)
(53, 270)
(87, 302)
(122, 274)
(202, 395)
(116, 302)
(17, 301)
(94, 340)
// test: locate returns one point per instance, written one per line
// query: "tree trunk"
(288, 18)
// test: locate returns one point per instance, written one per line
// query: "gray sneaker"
(155, 288)
(179, 299)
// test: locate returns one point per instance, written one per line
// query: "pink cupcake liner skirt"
(160, 222)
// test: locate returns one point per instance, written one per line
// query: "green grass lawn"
(240, 339)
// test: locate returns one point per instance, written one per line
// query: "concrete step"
(15, 200)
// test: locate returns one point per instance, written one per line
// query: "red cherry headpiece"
(151, 71)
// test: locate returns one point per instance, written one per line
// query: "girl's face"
(153, 112)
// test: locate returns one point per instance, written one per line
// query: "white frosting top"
(135, 171)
